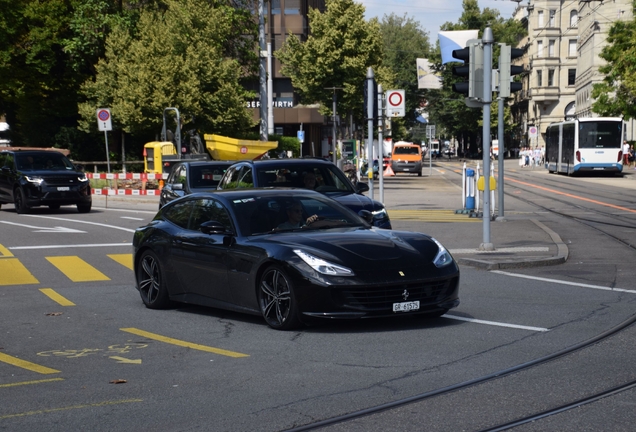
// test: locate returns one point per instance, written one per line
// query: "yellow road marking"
(5, 252)
(50, 410)
(125, 360)
(50, 293)
(76, 269)
(31, 382)
(183, 343)
(13, 272)
(26, 364)
(123, 259)
(431, 216)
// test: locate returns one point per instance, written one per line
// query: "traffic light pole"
(487, 40)
(500, 161)
(370, 130)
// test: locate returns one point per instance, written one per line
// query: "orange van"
(407, 158)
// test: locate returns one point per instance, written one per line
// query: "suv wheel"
(84, 208)
(21, 206)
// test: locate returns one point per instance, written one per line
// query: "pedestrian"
(626, 149)
(632, 155)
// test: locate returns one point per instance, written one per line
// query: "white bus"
(584, 145)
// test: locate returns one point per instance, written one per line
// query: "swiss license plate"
(406, 306)
(63, 188)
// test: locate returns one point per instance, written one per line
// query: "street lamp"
(333, 138)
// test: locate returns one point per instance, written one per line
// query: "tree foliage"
(183, 57)
(403, 43)
(337, 53)
(616, 94)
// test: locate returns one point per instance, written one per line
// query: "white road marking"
(494, 323)
(45, 229)
(556, 281)
(84, 222)
(70, 246)
(132, 218)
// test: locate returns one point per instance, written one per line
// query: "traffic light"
(473, 57)
(507, 70)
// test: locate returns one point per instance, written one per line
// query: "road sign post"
(105, 124)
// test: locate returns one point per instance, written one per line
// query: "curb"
(560, 258)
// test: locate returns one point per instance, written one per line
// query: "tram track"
(628, 383)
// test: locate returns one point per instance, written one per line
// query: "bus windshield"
(600, 134)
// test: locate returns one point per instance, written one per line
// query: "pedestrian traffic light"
(473, 57)
(507, 70)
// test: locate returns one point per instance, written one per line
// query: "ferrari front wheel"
(276, 299)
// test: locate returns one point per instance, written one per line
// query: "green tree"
(339, 50)
(403, 42)
(182, 57)
(616, 94)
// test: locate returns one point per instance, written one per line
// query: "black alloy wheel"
(84, 208)
(151, 282)
(21, 206)
(276, 300)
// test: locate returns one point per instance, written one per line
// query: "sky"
(431, 14)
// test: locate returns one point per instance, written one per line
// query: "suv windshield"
(51, 161)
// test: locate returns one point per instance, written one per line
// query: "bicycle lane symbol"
(113, 352)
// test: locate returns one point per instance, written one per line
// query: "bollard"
(470, 189)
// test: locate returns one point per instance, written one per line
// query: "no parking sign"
(395, 105)
(103, 119)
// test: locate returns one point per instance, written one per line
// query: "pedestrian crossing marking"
(123, 259)
(13, 272)
(61, 300)
(431, 216)
(76, 269)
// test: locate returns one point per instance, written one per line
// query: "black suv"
(326, 177)
(31, 178)
(190, 176)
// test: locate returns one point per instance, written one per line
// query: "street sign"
(395, 103)
(301, 136)
(103, 119)
(533, 131)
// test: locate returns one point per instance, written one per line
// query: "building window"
(552, 18)
(539, 78)
(574, 18)
(275, 7)
(551, 48)
(540, 19)
(539, 48)
(572, 48)
(550, 77)
(571, 77)
(292, 7)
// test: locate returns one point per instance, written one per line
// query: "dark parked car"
(32, 178)
(188, 177)
(329, 180)
(241, 250)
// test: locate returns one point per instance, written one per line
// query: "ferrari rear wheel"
(151, 282)
(276, 299)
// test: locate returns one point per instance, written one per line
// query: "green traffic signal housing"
(507, 70)
(473, 69)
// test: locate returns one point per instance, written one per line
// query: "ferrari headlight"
(443, 258)
(322, 266)
(35, 180)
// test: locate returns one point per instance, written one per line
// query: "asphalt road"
(79, 351)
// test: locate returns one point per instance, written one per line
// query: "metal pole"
(500, 160)
(487, 40)
(335, 145)
(107, 151)
(262, 71)
(270, 92)
(380, 141)
(370, 130)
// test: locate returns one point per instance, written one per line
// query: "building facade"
(562, 61)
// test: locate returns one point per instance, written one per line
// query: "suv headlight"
(380, 214)
(82, 178)
(322, 266)
(443, 258)
(35, 180)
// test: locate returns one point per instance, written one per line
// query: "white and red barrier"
(127, 176)
(107, 191)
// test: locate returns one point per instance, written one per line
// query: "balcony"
(545, 94)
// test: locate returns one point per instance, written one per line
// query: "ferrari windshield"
(271, 213)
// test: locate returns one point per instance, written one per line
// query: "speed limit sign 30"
(395, 105)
